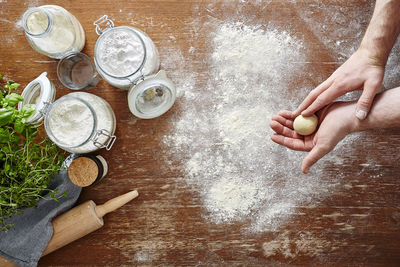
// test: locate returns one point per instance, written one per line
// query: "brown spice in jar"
(83, 171)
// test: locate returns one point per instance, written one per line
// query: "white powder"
(221, 138)
(72, 123)
(120, 53)
(105, 120)
(65, 34)
(37, 22)
(231, 198)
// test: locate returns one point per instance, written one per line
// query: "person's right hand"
(361, 71)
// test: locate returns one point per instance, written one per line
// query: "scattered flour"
(231, 198)
(292, 245)
(222, 135)
(142, 257)
(221, 139)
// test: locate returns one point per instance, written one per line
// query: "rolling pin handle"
(115, 203)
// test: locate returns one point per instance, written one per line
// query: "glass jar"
(127, 58)
(124, 54)
(53, 31)
(96, 161)
(78, 122)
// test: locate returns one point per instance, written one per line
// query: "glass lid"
(152, 97)
(120, 52)
(40, 92)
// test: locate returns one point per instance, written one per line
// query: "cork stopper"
(83, 171)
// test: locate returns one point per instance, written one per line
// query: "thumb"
(366, 99)
(313, 156)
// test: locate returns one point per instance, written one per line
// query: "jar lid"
(40, 92)
(84, 171)
(120, 52)
(152, 97)
(79, 175)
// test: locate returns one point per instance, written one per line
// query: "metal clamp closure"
(45, 108)
(110, 142)
(103, 19)
(135, 80)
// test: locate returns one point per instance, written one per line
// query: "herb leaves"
(27, 160)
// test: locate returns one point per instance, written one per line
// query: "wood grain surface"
(358, 224)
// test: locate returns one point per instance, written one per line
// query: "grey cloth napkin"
(25, 243)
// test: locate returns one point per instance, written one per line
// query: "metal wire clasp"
(45, 108)
(107, 145)
(103, 19)
(135, 80)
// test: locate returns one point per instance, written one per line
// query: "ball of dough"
(305, 125)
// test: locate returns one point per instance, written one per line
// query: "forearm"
(385, 112)
(383, 30)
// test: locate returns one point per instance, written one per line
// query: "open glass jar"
(78, 122)
(123, 54)
(53, 31)
(128, 59)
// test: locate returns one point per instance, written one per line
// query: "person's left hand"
(335, 122)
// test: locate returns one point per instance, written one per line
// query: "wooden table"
(357, 224)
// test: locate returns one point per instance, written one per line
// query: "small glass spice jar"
(128, 59)
(78, 122)
(53, 31)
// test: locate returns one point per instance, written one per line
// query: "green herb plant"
(27, 160)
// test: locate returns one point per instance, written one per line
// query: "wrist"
(376, 57)
(353, 123)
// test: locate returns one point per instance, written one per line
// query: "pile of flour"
(222, 136)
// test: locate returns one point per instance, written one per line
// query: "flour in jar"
(121, 53)
(53, 31)
(73, 126)
(71, 122)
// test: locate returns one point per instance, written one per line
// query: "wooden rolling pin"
(78, 222)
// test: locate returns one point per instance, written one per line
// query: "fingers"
(365, 101)
(292, 143)
(287, 114)
(282, 120)
(312, 96)
(282, 124)
(326, 97)
(315, 154)
(283, 130)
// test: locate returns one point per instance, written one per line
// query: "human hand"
(334, 124)
(362, 71)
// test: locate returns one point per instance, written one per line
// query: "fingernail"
(361, 114)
